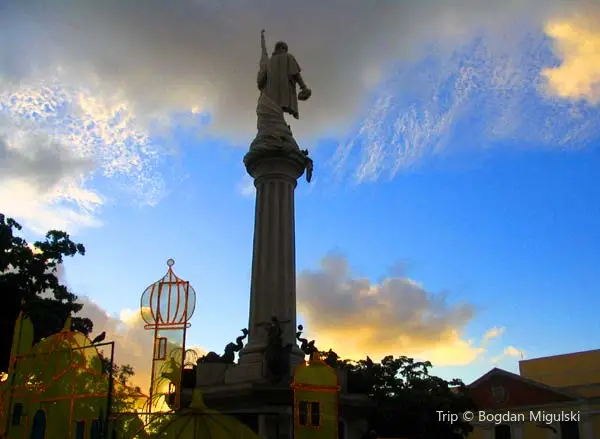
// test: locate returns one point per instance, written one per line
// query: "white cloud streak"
(493, 92)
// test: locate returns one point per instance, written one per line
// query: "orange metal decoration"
(167, 306)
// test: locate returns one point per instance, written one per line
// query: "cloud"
(111, 78)
(195, 55)
(133, 343)
(43, 165)
(482, 88)
(577, 45)
(57, 144)
(509, 352)
(246, 186)
(396, 316)
(493, 334)
(36, 174)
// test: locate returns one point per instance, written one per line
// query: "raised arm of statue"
(261, 78)
(264, 58)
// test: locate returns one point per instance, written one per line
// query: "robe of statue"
(276, 79)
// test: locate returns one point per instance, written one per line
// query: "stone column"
(517, 431)
(551, 433)
(263, 431)
(273, 284)
(587, 426)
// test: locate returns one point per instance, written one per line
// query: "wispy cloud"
(195, 55)
(101, 77)
(472, 98)
(56, 140)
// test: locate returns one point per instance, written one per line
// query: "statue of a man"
(278, 76)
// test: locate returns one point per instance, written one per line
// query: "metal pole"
(110, 389)
(12, 371)
(178, 390)
(150, 402)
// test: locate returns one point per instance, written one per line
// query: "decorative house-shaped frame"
(316, 400)
(55, 388)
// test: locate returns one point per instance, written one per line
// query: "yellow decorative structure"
(316, 394)
(199, 422)
(167, 306)
(56, 388)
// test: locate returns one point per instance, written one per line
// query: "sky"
(452, 212)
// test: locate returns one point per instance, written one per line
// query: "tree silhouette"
(406, 397)
(28, 283)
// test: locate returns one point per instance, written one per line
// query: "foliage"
(28, 282)
(121, 373)
(407, 398)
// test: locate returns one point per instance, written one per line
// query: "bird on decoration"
(99, 338)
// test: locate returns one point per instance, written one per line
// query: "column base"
(252, 366)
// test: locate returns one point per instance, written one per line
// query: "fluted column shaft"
(273, 284)
(273, 289)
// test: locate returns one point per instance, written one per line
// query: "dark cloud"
(181, 54)
(39, 162)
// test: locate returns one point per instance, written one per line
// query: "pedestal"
(275, 163)
(273, 284)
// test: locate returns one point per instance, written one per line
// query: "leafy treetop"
(28, 282)
(407, 399)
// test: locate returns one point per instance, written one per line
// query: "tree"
(28, 283)
(408, 400)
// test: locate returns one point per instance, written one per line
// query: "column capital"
(284, 161)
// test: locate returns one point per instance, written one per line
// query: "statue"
(232, 348)
(332, 359)
(228, 356)
(278, 78)
(308, 347)
(277, 355)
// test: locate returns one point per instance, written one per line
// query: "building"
(551, 397)
(316, 400)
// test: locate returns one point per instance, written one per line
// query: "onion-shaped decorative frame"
(168, 302)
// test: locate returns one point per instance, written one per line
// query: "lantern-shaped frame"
(166, 307)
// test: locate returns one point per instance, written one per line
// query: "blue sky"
(513, 232)
(455, 185)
